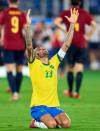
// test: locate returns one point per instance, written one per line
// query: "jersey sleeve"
(35, 63)
(55, 60)
(63, 14)
(89, 18)
(2, 18)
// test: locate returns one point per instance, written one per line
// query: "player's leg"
(70, 70)
(61, 118)
(70, 79)
(19, 77)
(11, 79)
(49, 121)
(79, 67)
(79, 77)
(41, 114)
(10, 67)
(19, 56)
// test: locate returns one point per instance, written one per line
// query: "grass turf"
(84, 113)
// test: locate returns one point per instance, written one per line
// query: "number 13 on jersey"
(14, 24)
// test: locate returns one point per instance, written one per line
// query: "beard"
(44, 54)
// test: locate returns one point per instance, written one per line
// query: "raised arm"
(69, 35)
(28, 39)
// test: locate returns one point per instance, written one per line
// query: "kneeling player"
(43, 73)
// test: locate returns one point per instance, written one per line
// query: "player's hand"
(28, 19)
(86, 38)
(74, 16)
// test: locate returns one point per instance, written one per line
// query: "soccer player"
(43, 74)
(12, 21)
(77, 51)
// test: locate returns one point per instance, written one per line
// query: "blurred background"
(43, 13)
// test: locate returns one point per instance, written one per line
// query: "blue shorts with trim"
(16, 57)
(38, 111)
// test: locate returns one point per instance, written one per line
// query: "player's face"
(42, 52)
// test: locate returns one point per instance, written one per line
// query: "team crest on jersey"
(51, 66)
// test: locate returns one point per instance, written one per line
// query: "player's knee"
(19, 68)
(66, 123)
(10, 67)
(52, 124)
(70, 68)
(79, 67)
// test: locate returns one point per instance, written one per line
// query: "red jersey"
(56, 43)
(84, 19)
(13, 20)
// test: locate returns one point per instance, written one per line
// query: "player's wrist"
(28, 26)
(67, 46)
(72, 24)
(86, 37)
(61, 53)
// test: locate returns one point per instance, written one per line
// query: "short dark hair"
(75, 2)
(13, 1)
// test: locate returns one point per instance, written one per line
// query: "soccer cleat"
(15, 96)
(36, 124)
(76, 95)
(68, 93)
(32, 125)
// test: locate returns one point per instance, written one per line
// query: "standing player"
(43, 73)
(12, 21)
(77, 51)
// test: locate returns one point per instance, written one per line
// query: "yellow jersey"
(44, 82)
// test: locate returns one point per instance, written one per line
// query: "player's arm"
(28, 39)
(58, 22)
(1, 35)
(69, 35)
(89, 34)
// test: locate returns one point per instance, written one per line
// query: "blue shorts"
(16, 57)
(38, 111)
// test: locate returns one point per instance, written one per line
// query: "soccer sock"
(19, 78)
(12, 82)
(79, 77)
(40, 125)
(70, 79)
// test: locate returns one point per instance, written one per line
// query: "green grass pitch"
(84, 113)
